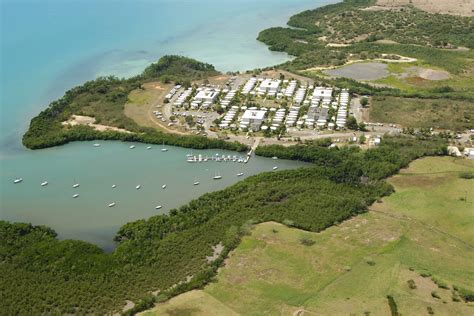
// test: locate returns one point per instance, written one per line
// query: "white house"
(253, 118)
(206, 95)
(269, 86)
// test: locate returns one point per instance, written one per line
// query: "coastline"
(170, 247)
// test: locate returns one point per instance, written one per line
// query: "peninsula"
(376, 208)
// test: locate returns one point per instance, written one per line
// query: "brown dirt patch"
(455, 7)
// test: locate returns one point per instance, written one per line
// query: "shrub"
(467, 295)
(435, 295)
(370, 261)
(441, 284)
(467, 175)
(307, 242)
(411, 284)
(430, 310)
(393, 305)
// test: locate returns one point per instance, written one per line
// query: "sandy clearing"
(455, 7)
(90, 121)
(431, 74)
(402, 59)
(425, 73)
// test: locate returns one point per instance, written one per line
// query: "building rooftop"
(254, 115)
(270, 84)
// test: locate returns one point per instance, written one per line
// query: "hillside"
(416, 246)
(457, 7)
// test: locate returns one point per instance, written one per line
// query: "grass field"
(141, 103)
(427, 113)
(350, 269)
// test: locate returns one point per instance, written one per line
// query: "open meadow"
(422, 113)
(415, 246)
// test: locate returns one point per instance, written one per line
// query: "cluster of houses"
(311, 107)
(182, 97)
(172, 92)
(230, 94)
(306, 106)
(249, 85)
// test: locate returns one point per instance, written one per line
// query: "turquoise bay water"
(49, 46)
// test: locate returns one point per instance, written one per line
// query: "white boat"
(132, 146)
(163, 186)
(196, 183)
(158, 207)
(217, 176)
(240, 174)
(17, 180)
(96, 145)
(274, 158)
(75, 185)
(148, 147)
(275, 168)
(114, 186)
(75, 196)
(44, 183)
(138, 187)
(164, 148)
(111, 204)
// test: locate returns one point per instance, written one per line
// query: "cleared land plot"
(141, 103)
(360, 71)
(427, 113)
(351, 268)
(419, 77)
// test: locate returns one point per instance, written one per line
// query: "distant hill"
(457, 7)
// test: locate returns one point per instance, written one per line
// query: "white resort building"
(252, 119)
(269, 86)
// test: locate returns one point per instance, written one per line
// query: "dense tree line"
(41, 274)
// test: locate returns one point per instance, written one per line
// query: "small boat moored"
(96, 145)
(114, 186)
(75, 196)
(148, 147)
(240, 174)
(111, 204)
(17, 180)
(217, 176)
(158, 207)
(132, 146)
(196, 183)
(76, 185)
(275, 168)
(44, 183)
(274, 157)
(138, 187)
(163, 186)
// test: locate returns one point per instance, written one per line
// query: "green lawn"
(351, 268)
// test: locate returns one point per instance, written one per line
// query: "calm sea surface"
(48, 46)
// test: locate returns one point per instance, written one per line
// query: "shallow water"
(96, 169)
